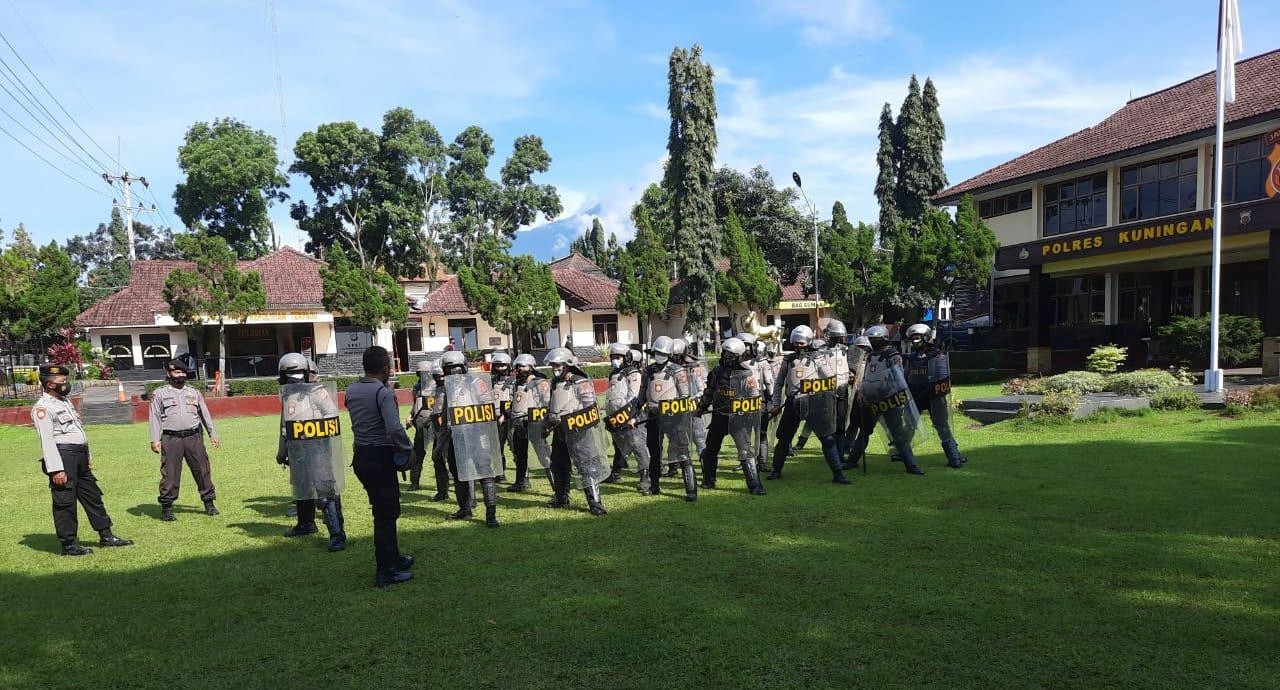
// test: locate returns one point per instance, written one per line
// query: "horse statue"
(768, 335)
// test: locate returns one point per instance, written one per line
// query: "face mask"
(296, 378)
(62, 388)
(660, 358)
(177, 382)
(616, 364)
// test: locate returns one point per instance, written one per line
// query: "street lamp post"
(817, 291)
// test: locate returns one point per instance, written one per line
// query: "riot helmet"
(500, 363)
(732, 351)
(836, 333)
(862, 342)
(437, 372)
(559, 359)
(293, 368)
(878, 336)
(453, 362)
(801, 337)
(919, 335)
(752, 343)
(662, 348)
(524, 364)
(618, 355)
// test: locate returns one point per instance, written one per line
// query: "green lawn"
(1141, 552)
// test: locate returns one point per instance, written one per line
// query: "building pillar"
(1271, 313)
(1039, 353)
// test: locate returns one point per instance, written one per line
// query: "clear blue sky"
(799, 83)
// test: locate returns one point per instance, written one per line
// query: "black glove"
(283, 459)
(400, 459)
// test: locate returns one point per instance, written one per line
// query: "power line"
(36, 119)
(35, 136)
(51, 165)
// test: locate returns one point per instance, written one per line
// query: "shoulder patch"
(40, 412)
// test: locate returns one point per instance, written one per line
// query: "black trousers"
(419, 455)
(787, 427)
(81, 486)
(520, 450)
(653, 439)
(173, 450)
(862, 423)
(440, 460)
(716, 432)
(561, 463)
(376, 471)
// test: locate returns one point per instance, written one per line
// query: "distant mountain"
(551, 241)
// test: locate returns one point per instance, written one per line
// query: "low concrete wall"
(21, 416)
(251, 405)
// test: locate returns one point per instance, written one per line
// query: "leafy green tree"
(413, 158)
(480, 206)
(365, 294)
(612, 250)
(233, 176)
(217, 291)
(887, 177)
(747, 281)
(591, 244)
(656, 203)
(644, 287)
(916, 177)
(516, 295)
(16, 273)
(339, 160)
(102, 255)
(691, 149)
(972, 248)
(49, 301)
(769, 215)
(935, 134)
(856, 276)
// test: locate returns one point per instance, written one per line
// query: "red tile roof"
(1181, 112)
(290, 279)
(577, 262)
(446, 299)
(585, 290)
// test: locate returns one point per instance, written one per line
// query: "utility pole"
(817, 292)
(125, 181)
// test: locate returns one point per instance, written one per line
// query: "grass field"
(1139, 552)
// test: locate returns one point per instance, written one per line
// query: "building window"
(1182, 293)
(1135, 297)
(414, 336)
(462, 334)
(1011, 307)
(120, 349)
(155, 350)
(605, 327)
(1158, 188)
(1080, 300)
(1245, 167)
(1075, 205)
(1010, 203)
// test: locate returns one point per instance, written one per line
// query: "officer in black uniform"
(519, 424)
(439, 436)
(503, 384)
(884, 355)
(719, 396)
(424, 391)
(381, 448)
(66, 462)
(661, 351)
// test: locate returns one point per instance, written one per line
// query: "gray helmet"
(662, 345)
(921, 330)
(801, 336)
(619, 350)
(452, 358)
(633, 355)
(679, 347)
(500, 358)
(525, 360)
(836, 331)
(424, 368)
(293, 363)
(312, 367)
(560, 355)
(437, 369)
(863, 342)
(876, 333)
(750, 340)
(733, 346)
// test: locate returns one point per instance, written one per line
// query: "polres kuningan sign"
(1237, 219)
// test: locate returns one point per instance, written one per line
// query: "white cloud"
(828, 21)
(562, 243)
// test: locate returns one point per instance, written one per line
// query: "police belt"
(73, 447)
(182, 434)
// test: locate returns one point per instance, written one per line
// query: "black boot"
(644, 482)
(166, 513)
(442, 489)
(560, 500)
(306, 519)
(709, 473)
(489, 487)
(391, 577)
(592, 492)
(465, 501)
(210, 508)
(107, 538)
(332, 511)
(614, 477)
(954, 458)
(753, 477)
(832, 455)
(70, 548)
(690, 481)
(520, 486)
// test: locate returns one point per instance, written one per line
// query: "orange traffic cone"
(120, 396)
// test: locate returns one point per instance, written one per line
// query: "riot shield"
(820, 393)
(584, 439)
(312, 429)
(473, 426)
(884, 386)
(745, 408)
(534, 411)
(902, 425)
(617, 405)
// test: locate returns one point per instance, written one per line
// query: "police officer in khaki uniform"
(178, 420)
(66, 462)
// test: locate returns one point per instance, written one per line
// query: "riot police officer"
(178, 419)
(929, 376)
(697, 382)
(624, 410)
(66, 461)
(474, 450)
(805, 390)
(887, 399)
(759, 364)
(530, 396)
(575, 420)
(660, 353)
(734, 397)
(420, 420)
(311, 446)
(670, 404)
(435, 415)
(862, 422)
(503, 384)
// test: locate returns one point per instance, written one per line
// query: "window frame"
(1186, 174)
(1055, 200)
(600, 325)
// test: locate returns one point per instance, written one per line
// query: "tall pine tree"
(644, 281)
(747, 281)
(691, 149)
(857, 278)
(935, 134)
(916, 176)
(887, 179)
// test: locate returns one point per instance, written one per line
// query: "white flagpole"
(1228, 48)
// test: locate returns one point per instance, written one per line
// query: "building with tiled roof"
(134, 327)
(1105, 233)
(588, 314)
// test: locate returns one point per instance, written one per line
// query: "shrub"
(16, 402)
(1054, 405)
(253, 387)
(1176, 399)
(1022, 385)
(1106, 359)
(1184, 376)
(1107, 415)
(1266, 397)
(1141, 383)
(1187, 339)
(1078, 382)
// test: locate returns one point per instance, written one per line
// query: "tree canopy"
(644, 287)
(367, 295)
(514, 294)
(217, 291)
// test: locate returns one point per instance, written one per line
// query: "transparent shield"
(587, 446)
(312, 429)
(473, 426)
